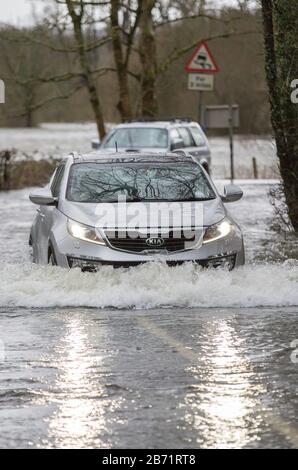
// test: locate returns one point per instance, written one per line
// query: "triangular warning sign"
(202, 61)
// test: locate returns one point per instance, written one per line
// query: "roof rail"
(75, 155)
(164, 119)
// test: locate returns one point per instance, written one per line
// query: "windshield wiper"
(177, 200)
(140, 199)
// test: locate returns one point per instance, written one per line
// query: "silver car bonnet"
(91, 214)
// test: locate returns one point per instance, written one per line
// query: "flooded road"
(161, 378)
(152, 356)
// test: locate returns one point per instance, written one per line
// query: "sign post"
(201, 68)
(231, 136)
(2, 92)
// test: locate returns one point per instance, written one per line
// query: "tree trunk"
(149, 103)
(124, 105)
(86, 69)
(29, 105)
(280, 37)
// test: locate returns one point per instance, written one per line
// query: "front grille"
(122, 241)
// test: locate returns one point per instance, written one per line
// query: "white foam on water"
(149, 286)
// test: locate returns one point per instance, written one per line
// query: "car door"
(196, 144)
(46, 216)
(176, 141)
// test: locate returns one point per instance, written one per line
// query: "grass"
(18, 174)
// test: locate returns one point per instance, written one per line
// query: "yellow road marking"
(160, 333)
(276, 423)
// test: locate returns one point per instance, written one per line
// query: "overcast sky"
(19, 12)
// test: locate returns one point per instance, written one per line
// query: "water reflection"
(222, 408)
(80, 420)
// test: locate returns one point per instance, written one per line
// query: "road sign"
(221, 116)
(202, 61)
(200, 82)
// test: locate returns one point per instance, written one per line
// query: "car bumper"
(71, 252)
(227, 262)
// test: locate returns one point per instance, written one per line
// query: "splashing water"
(149, 286)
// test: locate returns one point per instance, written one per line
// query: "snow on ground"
(245, 148)
(57, 139)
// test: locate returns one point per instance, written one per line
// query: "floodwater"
(152, 356)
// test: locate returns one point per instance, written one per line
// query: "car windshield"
(98, 182)
(137, 138)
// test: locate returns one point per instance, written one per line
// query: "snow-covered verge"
(57, 140)
(245, 149)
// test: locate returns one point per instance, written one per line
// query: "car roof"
(157, 124)
(133, 157)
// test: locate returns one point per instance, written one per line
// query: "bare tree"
(148, 59)
(280, 19)
(123, 35)
(124, 105)
(113, 53)
(77, 15)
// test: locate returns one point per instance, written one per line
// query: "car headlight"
(84, 232)
(217, 231)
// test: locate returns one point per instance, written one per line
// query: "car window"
(56, 184)
(175, 137)
(198, 136)
(137, 137)
(186, 137)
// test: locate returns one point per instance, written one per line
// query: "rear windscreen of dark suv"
(98, 182)
(137, 137)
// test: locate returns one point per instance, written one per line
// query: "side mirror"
(95, 144)
(232, 193)
(178, 144)
(43, 197)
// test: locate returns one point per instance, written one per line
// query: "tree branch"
(177, 53)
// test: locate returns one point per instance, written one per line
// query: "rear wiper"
(201, 199)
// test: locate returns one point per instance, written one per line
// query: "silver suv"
(159, 136)
(130, 208)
